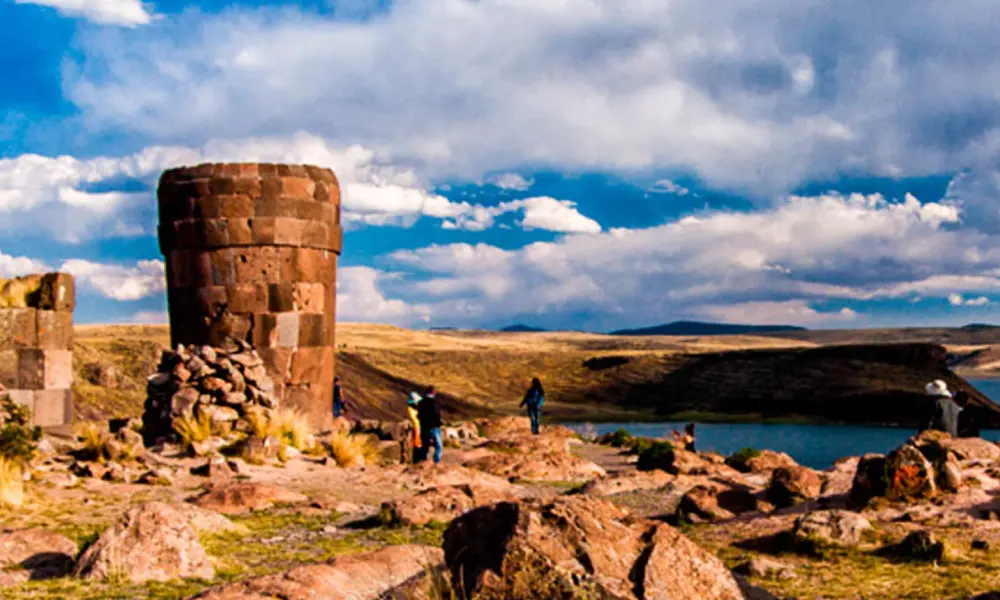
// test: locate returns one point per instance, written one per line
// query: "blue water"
(816, 446)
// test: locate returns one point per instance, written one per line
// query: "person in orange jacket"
(412, 412)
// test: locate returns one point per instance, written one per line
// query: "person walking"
(534, 398)
(338, 399)
(412, 412)
(944, 414)
(429, 415)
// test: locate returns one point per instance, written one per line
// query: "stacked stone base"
(36, 337)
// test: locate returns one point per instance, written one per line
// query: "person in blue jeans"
(338, 398)
(533, 399)
(429, 415)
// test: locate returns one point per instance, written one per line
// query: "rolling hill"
(699, 328)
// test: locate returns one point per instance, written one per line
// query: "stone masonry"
(36, 339)
(251, 252)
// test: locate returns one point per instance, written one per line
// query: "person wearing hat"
(944, 416)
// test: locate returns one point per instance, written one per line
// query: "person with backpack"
(429, 416)
(533, 400)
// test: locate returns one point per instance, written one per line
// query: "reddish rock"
(706, 503)
(768, 460)
(908, 474)
(792, 485)
(629, 481)
(372, 576)
(150, 542)
(244, 496)
(539, 466)
(442, 504)
(841, 527)
(585, 545)
(973, 449)
(34, 554)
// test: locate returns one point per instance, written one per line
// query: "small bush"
(620, 438)
(739, 459)
(352, 450)
(292, 427)
(258, 422)
(659, 455)
(641, 444)
(18, 439)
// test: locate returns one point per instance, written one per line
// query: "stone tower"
(251, 252)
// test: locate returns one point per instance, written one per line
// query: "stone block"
(308, 297)
(287, 330)
(223, 186)
(215, 232)
(55, 329)
(223, 266)
(249, 187)
(208, 207)
(8, 368)
(321, 174)
(179, 268)
(239, 206)
(281, 297)
(264, 330)
(187, 234)
(277, 362)
(311, 365)
(201, 269)
(315, 234)
(18, 328)
(39, 369)
(211, 298)
(288, 231)
(264, 229)
(300, 187)
(53, 407)
(258, 265)
(311, 330)
(335, 238)
(239, 232)
(247, 298)
(309, 265)
(270, 190)
(22, 397)
(309, 210)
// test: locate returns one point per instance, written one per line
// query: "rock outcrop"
(372, 576)
(792, 485)
(153, 541)
(629, 481)
(841, 527)
(576, 545)
(442, 504)
(34, 554)
(244, 496)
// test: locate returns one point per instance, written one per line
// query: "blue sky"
(582, 164)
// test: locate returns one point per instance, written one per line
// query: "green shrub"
(618, 439)
(659, 455)
(18, 439)
(641, 444)
(740, 458)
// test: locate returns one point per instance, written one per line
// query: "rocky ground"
(507, 515)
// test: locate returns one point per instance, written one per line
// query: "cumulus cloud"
(125, 13)
(16, 266)
(359, 299)
(511, 181)
(786, 263)
(119, 282)
(547, 213)
(959, 300)
(668, 186)
(760, 95)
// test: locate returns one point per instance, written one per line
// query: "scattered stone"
(150, 542)
(244, 496)
(217, 468)
(372, 576)
(703, 504)
(442, 504)
(34, 554)
(62, 480)
(581, 545)
(115, 473)
(760, 566)
(919, 545)
(841, 527)
(792, 485)
(82, 469)
(155, 477)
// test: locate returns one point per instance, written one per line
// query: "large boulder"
(442, 504)
(973, 449)
(577, 547)
(244, 496)
(909, 474)
(838, 479)
(793, 485)
(372, 576)
(539, 466)
(153, 541)
(707, 503)
(34, 554)
(840, 527)
(763, 461)
(869, 479)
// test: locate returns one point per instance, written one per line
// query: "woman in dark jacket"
(533, 399)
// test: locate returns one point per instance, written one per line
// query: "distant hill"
(522, 329)
(697, 328)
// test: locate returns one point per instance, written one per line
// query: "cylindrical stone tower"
(251, 253)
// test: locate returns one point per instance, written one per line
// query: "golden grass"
(292, 427)
(193, 429)
(11, 484)
(352, 450)
(93, 438)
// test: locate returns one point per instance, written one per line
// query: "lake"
(816, 446)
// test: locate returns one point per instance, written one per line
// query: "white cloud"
(547, 213)
(118, 282)
(979, 301)
(359, 299)
(955, 299)
(126, 13)
(752, 95)
(787, 312)
(668, 186)
(16, 266)
(959, 300)
(511, 181)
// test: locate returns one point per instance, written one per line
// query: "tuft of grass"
(193, 429)
(258, 422)
(11, 483)
(93, 439)
(739, 459)
(292, 427)
(619, 438)
(352, 450)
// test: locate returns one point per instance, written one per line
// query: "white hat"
(415, 397)
(938, 388)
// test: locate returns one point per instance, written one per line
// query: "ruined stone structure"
(251, 253)
(36, 340)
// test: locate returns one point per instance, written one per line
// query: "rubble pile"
(206, 382)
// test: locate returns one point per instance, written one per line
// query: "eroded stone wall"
(36, 340)
(251, 252)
